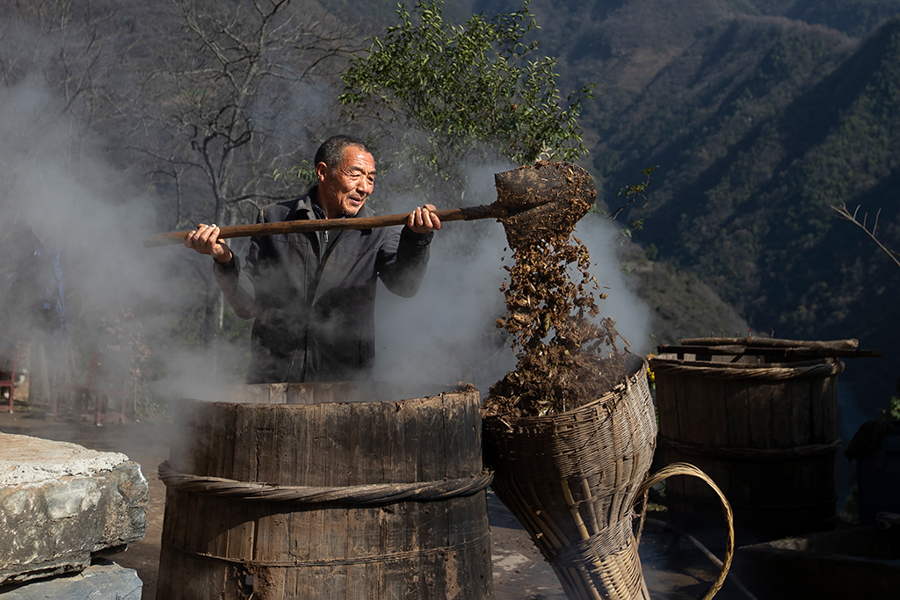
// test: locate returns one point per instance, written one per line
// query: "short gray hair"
(331, 152)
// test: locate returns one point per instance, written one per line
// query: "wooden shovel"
(489, 211)
(548, 192)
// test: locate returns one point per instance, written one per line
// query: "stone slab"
(61, 504)
(97, 582)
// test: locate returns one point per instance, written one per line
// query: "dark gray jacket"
(314, 306)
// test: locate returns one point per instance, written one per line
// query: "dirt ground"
(673, 568)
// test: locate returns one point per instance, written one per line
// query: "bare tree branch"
(230, 99)
(845, 214)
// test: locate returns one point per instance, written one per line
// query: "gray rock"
(60, 504)
(97, 582)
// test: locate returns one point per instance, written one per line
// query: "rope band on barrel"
(361, 495)
(750, 453)
(335, 562)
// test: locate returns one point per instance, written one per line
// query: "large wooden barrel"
(766, 433)
(323, 491)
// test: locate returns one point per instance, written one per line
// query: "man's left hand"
(423, 219)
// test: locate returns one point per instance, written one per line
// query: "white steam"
(59, 196)
(447, 333)
(602, 238)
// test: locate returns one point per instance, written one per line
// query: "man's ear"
(321, 171)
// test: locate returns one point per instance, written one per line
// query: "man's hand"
(205, 240)
(423, 220)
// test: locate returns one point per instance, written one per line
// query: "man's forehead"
(358, 159)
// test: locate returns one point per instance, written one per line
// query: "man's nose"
(366, 186)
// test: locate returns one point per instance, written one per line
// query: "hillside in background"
(758, 115)
(757, 129)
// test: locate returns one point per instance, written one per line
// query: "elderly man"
(312, 295)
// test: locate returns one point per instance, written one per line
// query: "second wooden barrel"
(767, 434)
(311, 491)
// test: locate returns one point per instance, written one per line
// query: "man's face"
(343, 191)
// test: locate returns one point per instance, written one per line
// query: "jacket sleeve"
(403, 273)
(237, 284)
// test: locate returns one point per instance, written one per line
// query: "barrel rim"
(826, 367)
(312, 393)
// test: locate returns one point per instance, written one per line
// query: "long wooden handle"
(303, 226)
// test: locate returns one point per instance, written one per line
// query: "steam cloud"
(447, 333)
(58, 194)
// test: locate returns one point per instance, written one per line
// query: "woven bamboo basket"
(572, 480)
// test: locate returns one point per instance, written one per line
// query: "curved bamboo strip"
(689, 469)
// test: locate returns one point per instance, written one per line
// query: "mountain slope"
(752, 156)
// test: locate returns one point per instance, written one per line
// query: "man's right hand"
(205, 240)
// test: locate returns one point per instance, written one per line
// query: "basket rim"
(634, 372)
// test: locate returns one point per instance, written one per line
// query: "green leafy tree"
(462, 93)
